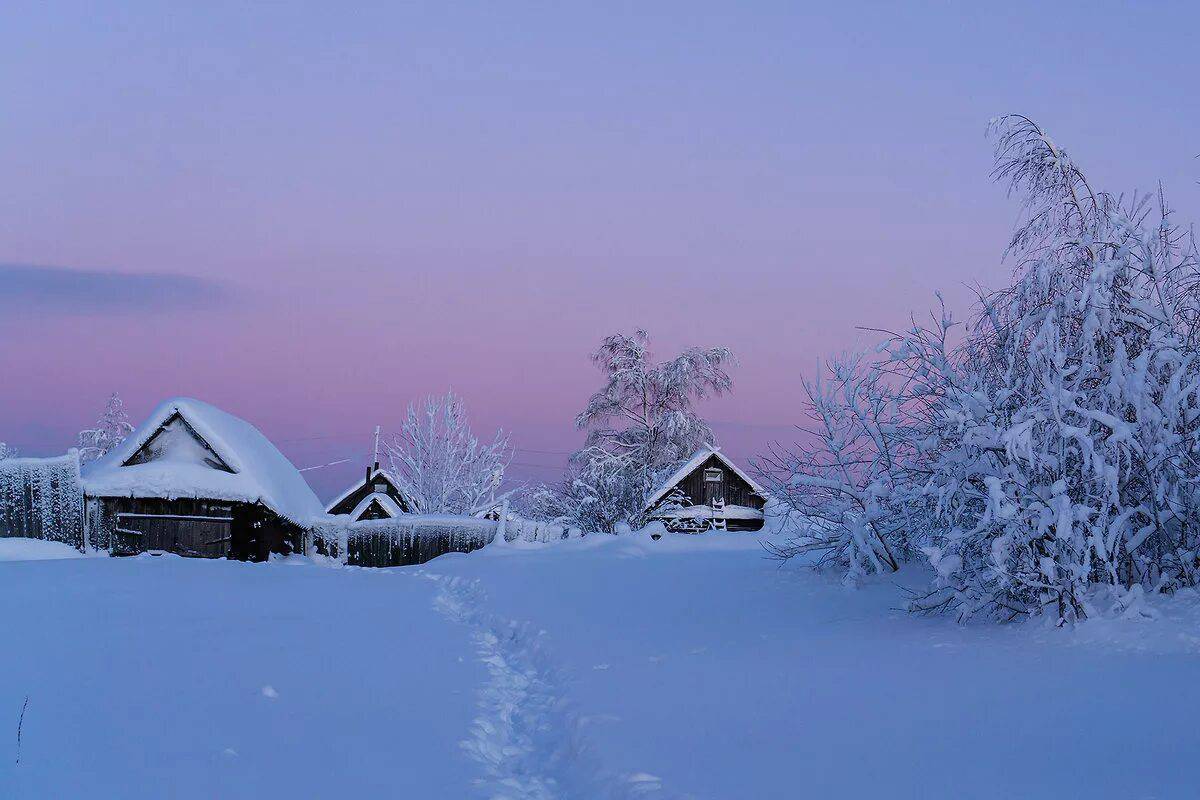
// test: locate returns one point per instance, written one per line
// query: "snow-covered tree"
(442, 467)
(847, 479)
(640, 425)
(111, 429)
(7, 452)
(1050, 446)
(598, 492)
(1066, 425)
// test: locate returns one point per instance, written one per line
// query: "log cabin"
(197, 481)
(709, 492)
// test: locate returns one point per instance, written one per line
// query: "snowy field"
(606, 668)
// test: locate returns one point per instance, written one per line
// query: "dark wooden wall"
(737, 491)
(192, 527)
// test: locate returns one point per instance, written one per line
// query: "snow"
(153, 677)
(601, 667)
(17, 549)
(698, 458)
(707, 512)
(697, 660)
(260, 472)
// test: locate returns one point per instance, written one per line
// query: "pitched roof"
(259, 473)
(389, 506)
(698, 458)
(378, 472)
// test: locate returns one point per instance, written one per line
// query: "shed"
(709, 492)
(195, 480)
(377, 497)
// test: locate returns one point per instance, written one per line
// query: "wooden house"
(197, 481)
(709, 492)
(377, 497)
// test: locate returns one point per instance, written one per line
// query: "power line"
(322, 466)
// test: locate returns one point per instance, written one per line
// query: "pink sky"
(390, 203)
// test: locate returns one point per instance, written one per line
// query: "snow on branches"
(1053, 446)
(846, 479)
(111, 429)
(641, 425)
(441, 466)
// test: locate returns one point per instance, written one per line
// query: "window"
(713, 475)
(381, 488)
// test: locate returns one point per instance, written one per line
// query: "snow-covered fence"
(528, 530)
(42, 498)
(415, 539)
(398, 542)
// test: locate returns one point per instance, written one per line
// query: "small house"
(197, 481)
(709, 492)
(377, 497)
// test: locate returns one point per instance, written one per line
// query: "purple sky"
(312, 217)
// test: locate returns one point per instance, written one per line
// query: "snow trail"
(527, 738)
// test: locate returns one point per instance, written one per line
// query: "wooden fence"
(42, 498)
(399, 542)
(416, 539)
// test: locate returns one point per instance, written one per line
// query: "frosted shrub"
(1047, 448)
(1065, 426)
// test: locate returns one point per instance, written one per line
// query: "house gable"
(378, 482)
(177, 441)
(708, 491)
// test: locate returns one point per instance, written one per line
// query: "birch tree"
(640, 425)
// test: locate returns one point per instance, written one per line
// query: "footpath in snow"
(701, 662)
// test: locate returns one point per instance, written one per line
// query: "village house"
(197, 481)
(377, 497)
(709, 492)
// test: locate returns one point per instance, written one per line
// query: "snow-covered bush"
(641, 425)
(1065, 426)
(1048, 447)
(848, 481)
(442, 467)
(111, 429)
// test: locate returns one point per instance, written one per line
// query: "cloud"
(25, 288)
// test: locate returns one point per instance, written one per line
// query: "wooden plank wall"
(737, 491)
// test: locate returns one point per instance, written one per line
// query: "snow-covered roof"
(259, 473)
(378, 472)
(385, 501)
(698, 458)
